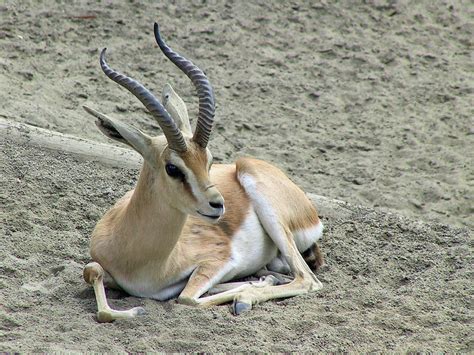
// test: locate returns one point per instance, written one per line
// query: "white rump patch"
(304, 238)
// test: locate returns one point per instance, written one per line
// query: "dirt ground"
(368, 102)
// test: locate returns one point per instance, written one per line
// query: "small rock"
(4, 34)
(416, 203)
(429, 56)
(27, 75)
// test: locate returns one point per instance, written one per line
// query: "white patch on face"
(209, 159)
(192, 182)
(189, 175)
(197, 191)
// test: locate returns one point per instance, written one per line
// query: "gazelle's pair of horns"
(201, 83)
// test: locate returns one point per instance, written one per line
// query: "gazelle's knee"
(187, 300)
(92, 271)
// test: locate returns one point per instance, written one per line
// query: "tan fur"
(124, 240)
(121, 248)
(196, 161)
(161, 231)
(132, 235)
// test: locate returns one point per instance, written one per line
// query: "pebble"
(26, 74)
(315, 94)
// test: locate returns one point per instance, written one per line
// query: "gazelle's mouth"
(209, 215)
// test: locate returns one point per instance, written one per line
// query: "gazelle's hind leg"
(94, 275)
(276, 226)
(260, 275)
(312, 256)
(279, 204)
(246, 294)
(207, 277)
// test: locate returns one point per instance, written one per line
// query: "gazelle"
(174, 236)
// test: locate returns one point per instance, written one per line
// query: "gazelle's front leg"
(94, 275)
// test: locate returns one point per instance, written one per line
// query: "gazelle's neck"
(150, 224)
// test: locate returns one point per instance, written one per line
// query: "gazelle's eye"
(174, 172)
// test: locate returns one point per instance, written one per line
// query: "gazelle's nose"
(217, 204)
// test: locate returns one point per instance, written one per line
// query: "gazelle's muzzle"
(212, 207)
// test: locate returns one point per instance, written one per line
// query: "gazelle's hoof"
(139, 311)
(239, 307)
(111, 315)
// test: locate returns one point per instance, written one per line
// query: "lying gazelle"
(172, 236)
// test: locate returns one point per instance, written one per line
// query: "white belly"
(143, 286)
(252, 248)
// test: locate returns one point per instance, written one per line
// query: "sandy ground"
(370, 103)
(390, 284)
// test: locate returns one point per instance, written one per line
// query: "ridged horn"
(172, 133)
(203, 86)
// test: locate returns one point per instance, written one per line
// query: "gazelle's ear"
(176, 108)
(122, 133)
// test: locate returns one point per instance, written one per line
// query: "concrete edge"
(82, 148)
